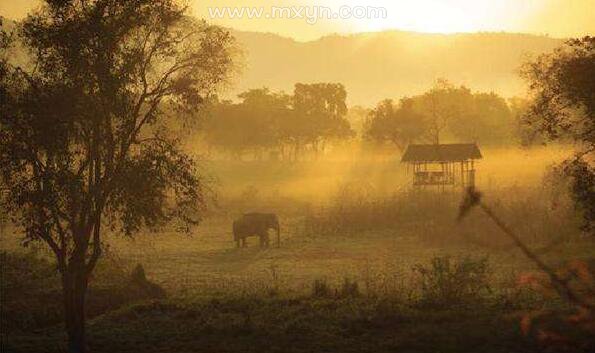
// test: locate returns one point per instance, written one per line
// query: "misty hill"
(374, 66)
(389, 64)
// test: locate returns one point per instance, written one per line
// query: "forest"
(288, 127)
(156, 195)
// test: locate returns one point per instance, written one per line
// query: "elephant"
(255, 224)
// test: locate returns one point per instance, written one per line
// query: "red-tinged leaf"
(527, 279)
(526, 323)
(527, 320)
(582, 272)
(550, 337)
(582, 315)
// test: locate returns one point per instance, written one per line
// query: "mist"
(170, 183)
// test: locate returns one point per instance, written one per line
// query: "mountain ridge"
(390, 64)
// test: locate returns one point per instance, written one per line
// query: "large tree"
(443, 111)
(399, 125)
(255, 124)
(265, 120)
(321, 108)
(484, 117)
(563, 92)
(562, 86)
(441, 105)
(524, 134)
(264, 111)
(82, 143)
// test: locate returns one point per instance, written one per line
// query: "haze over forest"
(393, 64)
(174, 182)
(377, 65)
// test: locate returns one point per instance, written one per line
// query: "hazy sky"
(558, 18)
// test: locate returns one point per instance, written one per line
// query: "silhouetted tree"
(357, 117)
(563, 108)
(524, 134)
(483, 117)
(254, 124)
(399, 125)
(271, 121)
(441, 104)
(322, 108)
(264, 110)
(82, 143)
(443, 110)
(225, 128)
(563, 90)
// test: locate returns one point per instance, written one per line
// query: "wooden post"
(462, 176)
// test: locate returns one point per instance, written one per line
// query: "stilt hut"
(442, 165)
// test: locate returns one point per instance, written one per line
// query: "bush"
(447, 281)
(321, 289)
(575, 179)
(349, 289)
(31, 291)
(139, 281)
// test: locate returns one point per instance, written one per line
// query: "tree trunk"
(74, 283)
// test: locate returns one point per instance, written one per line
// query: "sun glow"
(436, 16)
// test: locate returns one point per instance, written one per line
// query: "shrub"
(140, 283)
(448, 281)
(575, 180)
(30, 292)
(111, 287)
(349, 289)
(321, 289)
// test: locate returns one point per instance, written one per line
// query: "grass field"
(300, 297)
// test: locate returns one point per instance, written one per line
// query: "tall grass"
(542, 215)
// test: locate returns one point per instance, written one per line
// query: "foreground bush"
(449, 281)
(31, 296)
(298, 325)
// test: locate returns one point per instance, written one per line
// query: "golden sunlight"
(302, 176)
(440, 16)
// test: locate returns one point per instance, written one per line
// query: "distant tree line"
(288, 126)
(447, 111)
(265, 124)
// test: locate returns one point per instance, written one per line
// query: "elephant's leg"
(238, 241)
(244, 242)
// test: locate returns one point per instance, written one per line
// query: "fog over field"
(175, 182)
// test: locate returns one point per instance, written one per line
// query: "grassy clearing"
(228, 300)
(369, 248)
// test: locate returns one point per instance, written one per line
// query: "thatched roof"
(441, 153)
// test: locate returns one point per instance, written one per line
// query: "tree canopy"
(443, 111)
(83, 141)
(562, 86)
(399, 125)
(563, 92)
(289, 124)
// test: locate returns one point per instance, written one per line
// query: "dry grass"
(352, 229)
